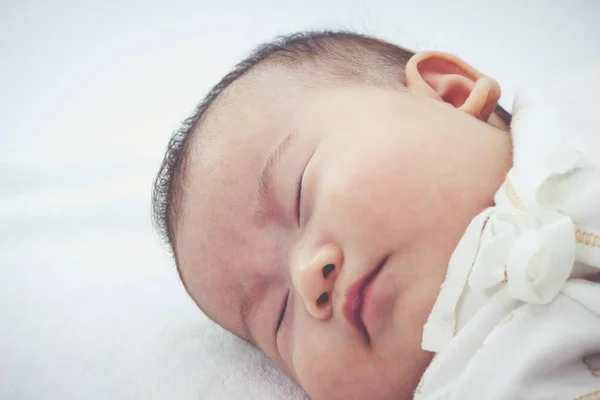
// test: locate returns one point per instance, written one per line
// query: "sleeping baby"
(365, 217)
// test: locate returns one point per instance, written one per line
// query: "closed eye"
(282, 313)
(299, 187)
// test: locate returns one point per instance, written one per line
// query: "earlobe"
(447, 78)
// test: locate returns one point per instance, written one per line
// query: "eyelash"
(299, 196)
(283, 313)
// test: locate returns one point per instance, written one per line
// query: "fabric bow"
(534, 260)
(503, 246)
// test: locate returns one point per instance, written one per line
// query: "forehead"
(218, 244)
(246, 115)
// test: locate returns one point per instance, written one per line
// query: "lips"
(355, 300)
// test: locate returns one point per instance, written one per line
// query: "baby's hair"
(330, 57)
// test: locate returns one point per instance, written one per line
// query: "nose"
(315, 278)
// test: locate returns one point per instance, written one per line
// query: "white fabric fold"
(503, 246)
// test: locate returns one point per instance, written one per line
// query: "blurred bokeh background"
(89, 94)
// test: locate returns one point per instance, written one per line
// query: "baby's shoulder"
(537, 350)
(532, 351)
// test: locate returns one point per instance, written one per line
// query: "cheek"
(332, 368)
(329, 365)
(378, 191)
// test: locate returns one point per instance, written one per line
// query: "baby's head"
(324, 162)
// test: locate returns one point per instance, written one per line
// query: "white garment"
(518, 316)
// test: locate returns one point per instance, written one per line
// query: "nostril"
(327, 270)
(323, 298)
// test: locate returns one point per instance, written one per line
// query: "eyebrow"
(265, 179)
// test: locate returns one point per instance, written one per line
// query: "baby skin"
(317, 220)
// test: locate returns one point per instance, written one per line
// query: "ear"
(447, 78)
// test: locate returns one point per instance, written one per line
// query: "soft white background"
(90, 305)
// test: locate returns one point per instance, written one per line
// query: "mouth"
(355, 301)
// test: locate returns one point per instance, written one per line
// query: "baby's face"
(297, 197)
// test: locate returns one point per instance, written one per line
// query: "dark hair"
(339, 55)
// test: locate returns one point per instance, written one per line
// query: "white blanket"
(143, 341)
